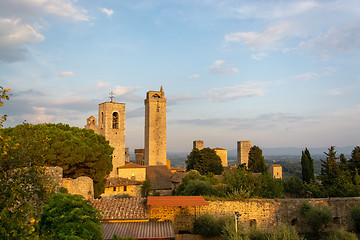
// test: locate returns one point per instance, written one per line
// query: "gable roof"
(119, 181)
(139, 230)
(122, 208)
(159, 177)
(176, 201)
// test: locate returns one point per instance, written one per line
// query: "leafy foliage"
(80, 152)
(205, 161)
(70, 217)
(284, 232)
(196, 185)
(355, 217)
(307, 167)
(341, 234)
(209, 225)
(329, 170)
(317, 218)
(145, 188)
(256, 160)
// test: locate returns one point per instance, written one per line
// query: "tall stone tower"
(112, 127)
(155, 128)
(243, 149)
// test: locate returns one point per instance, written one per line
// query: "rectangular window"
(125, 188)
(114, 189)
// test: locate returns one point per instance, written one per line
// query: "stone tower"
(243, 149)
(155, 128)
(112, 126)
(198, 144)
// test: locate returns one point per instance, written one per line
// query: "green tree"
(354, 162)
(24, 188)
(80, 152)
(205, 161)
(256, 160)
(307, 167)
(294, 186)
(70, 217)
(329, 168)
(145, 188)
(317, 218)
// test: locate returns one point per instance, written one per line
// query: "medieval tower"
(111, 124)
(155, 128)
(243, 149)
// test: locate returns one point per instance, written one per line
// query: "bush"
(341, 234)
(207, 225)
(229, 233)
(284, 232)
(355, 217)
(317, 218)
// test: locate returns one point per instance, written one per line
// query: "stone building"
(112, 126)
(139, 156)
(243, 149)
(222, 153)
(275, 171)
(155, 128)
(199, 144)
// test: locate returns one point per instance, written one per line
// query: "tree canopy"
(256, 160)
(80, 152)
(205, 161)
(307, 167)
(70, 217)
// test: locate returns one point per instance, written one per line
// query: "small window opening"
(102, 120)
(114, 189)
(252, 223)
(336, 220)
(115, 120)
(125, 188)
(156, 96)
(294, 222)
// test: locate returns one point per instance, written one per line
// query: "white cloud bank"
(223, 67)
(108, 12)
(66, 74)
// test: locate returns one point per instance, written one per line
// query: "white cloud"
(194, 76)
(101, 84)
(221, 66)
(40, 116)
(122, 90)
(335, 41)
(66, 74)
(13, 35)
(108, 12)
(236, 92)
(259, 40)
(315, 75)
(258, 56)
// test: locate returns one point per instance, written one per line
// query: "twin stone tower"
(112, 125)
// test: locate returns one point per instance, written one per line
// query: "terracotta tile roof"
(131, 165)
(121, 209)
(176, 201)
(178, 177)
(219, 148)
(119, 181)
(139, 230)
(159, 177)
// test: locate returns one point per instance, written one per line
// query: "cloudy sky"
(277, 73)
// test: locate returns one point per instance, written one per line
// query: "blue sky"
(277, 73)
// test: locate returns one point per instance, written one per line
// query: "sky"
(277, 73)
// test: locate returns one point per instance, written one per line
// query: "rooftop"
(119, 181)
(131, 165)
(121, 209)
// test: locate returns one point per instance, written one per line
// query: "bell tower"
(155, 128)
(111, 124)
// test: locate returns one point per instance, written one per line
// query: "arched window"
(115, 120)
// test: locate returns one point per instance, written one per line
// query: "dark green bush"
(317, 218)
(355, 217)
(207, 225)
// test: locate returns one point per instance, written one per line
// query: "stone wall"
(262, 213)
(138, 174)
(81, 185)
(243, 149)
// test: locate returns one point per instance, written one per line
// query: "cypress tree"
(256, 160)
(307, 167)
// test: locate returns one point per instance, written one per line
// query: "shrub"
(341, 234)
(284, 232)
(317, 218)
(229, 232)
(355, 217)
(207, 225)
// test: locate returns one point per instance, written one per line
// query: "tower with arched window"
(111, 124)
(155, 128)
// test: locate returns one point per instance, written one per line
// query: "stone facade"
(139, 156)
(199, 144)
(155, 128)
(275, 171)
(82, 185)
(262, 213)
(133, 173)
(112, 127)
(222, 153)
(243, 148)
(132, 190)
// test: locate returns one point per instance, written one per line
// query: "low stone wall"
(262, 213)
(81, 185)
